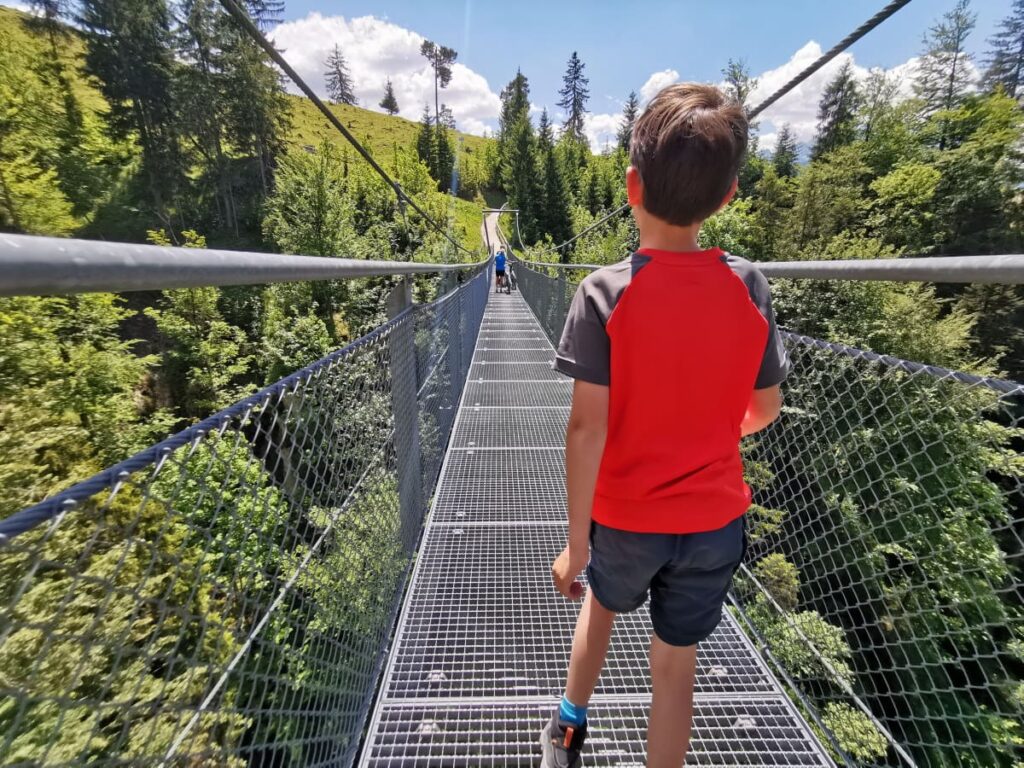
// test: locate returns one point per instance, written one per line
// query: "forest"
(156, 121)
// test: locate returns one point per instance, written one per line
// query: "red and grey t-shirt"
(681, 339)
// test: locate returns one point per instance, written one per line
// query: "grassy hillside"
(380, 133)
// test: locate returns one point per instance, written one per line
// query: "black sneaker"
(561, 742)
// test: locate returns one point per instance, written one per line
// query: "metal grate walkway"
(480, 653)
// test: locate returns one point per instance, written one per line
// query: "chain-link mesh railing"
(884, 575)
(226, 598)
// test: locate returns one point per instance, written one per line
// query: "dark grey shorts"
(687, 575)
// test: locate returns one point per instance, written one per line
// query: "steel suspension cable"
(822, 60)
(260, 39)
(826, 57)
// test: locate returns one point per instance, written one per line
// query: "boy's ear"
(634, 187)
(731, 193)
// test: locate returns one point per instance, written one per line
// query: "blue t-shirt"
(499, 261)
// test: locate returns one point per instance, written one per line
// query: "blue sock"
(571, 713)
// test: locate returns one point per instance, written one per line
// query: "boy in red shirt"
(676, 355)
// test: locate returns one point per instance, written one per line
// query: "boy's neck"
(661, 236)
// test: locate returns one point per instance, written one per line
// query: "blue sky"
(625, 45)
(623, 42)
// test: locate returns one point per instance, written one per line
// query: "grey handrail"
(33, 266)
(1002, 269)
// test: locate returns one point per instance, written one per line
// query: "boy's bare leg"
(589, 647)
(668, 733)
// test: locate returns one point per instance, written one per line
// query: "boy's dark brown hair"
(687, 147)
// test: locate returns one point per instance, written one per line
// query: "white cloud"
(23, 7)
(375, 50)
(656, 82)
(799, 107)
(601, 130)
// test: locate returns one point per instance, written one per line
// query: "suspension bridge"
(351, 565)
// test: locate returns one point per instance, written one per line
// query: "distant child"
(676, 355)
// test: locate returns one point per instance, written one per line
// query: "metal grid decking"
(480, 653)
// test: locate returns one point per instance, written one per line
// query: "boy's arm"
(584, 446)
(764, 408)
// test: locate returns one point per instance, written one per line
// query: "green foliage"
(780, 578)
(855, 732)
(837, 112)
(31, 199)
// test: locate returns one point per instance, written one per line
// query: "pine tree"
(441, 58)
(389, 103)
(519, 174)
(129, 52)
(553, 217)
(837, 113)
(426, 146)
(445, 157)
(785, 157)
(629, 114)
(447, 117)
(339, 81)
(515, 101)
(265, 13)
(738, 82)
(738, 86)
(258, 110)
(574, 95)
(944, 74)
(1005, 63)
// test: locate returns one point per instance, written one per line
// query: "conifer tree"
(629, 114)
(389, 103)
(441, 58)
(837, 113)
(339, 81)
(1005, 63)
(426, 147)
(553, 218)
(785, 156)
(574, 95)
(738, 86)
(129, 52)
(519, 174)
(944, 74)
(444, 157)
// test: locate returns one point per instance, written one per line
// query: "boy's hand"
(564, 570)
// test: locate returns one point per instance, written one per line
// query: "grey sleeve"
(584, 352)
(775, 363)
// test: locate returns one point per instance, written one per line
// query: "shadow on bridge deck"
(479, 658)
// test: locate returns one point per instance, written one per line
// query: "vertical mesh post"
(404, 386)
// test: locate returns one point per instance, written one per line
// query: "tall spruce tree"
(738, 86)
(944, 73)
(258, 110)
(389, 103)
(426, 142)
(553, 217)
(129, 52)
(339, 81)
(837, 113)
(444, 157)
(519, 174)
(441, 58)
(629, 114)
(785, 156)
(1005, 62)
(574, 95)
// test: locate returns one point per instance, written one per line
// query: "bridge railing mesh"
(883, 578)
(226, 598)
